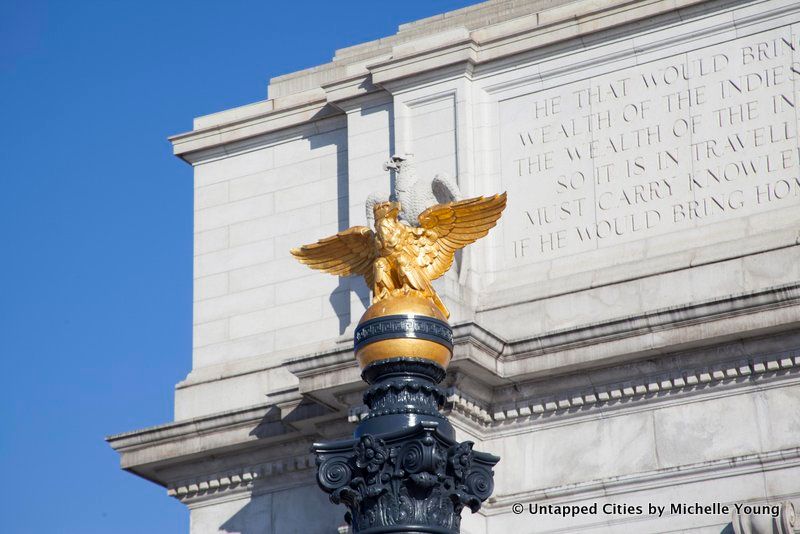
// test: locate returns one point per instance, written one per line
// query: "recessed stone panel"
(667, 146)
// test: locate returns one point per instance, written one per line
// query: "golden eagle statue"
(401, 260)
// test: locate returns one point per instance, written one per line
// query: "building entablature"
(309, 95)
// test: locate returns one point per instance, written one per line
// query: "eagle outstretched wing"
(445, 228)
(348, 253)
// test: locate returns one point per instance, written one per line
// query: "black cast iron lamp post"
(403, 472)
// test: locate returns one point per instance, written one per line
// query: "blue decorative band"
(403, 326)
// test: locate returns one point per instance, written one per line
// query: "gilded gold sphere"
(408, 326)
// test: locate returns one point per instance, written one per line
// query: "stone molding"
(460, 403)
(506, 292)
(747, 302)
(232, 482)
(130, 442)
(463, 49)
(672, 476)
(678, 382)
(679, 33)
(152, 452)
(786, 522)
(242, 134)
(237, 480)
(504, 352)
(338, 366)
(483, 422)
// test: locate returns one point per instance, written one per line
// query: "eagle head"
(383, 210)
(397, 162)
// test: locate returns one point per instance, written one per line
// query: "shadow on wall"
(274, 423)
(340, 297)
(304, 508)
(301, 508)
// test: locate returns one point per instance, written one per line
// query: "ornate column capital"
(414, 480)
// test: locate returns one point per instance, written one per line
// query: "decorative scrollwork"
(412, 457)
(420, 478)
(334, 473)
(480, 483)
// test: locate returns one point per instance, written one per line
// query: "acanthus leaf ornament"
(415, 477)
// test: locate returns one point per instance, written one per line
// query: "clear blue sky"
(96, 226)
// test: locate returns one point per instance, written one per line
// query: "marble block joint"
(404, 471)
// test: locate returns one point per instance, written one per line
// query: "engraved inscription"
(665, 146)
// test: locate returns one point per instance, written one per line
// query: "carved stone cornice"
(353, 76)
(501, 356)
(177, 455)
(648, 480)
(483, 419)
(660, 319)
(230, 481)
(190, 478)
(484, 396)
(679, 381)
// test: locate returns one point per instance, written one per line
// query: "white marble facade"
(627, 337)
